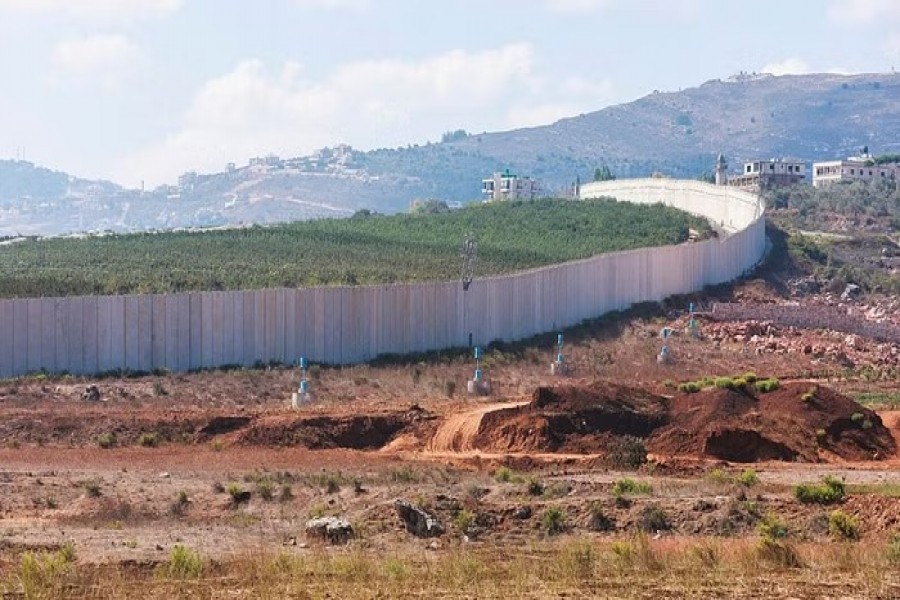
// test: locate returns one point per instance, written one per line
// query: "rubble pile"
(767, 338)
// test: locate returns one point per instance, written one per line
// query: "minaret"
(721, 170)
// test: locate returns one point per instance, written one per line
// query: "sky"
(143, 90)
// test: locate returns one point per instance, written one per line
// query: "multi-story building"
(760, 175)
(508, 186)
(856, 168)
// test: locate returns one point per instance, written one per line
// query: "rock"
(330, 529)
(91, 394)
(850, 292)
(522, 513)
(418, 521)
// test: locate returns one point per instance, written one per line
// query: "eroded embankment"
(799, 422)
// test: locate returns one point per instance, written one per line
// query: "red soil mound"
(745, 426)
(573, 419)
(735, 425)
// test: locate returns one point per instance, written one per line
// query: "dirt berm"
(798, 422)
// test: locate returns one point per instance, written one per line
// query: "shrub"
(748, 478)
(625, 452)
(653, 518)
(554, 520)
(726, 383)
(750, 377)
(507, 475)
(821, 436)
(184, 563)
(149, 440)
(893, 549)
(237, 493)
(867, 424)
(842, 526)
(92, 488)
(740, 382)
(535, 487)
(41, 574)
(266, 489)
(767, 385)
(463, 521)
(858, 418)
(159, 389)
(807, 397)
(772, 527)
(332, 484)
(830, 491)
(627, 485)
(599, 520)
(107, 440)
(718, 476)
(779, 553)
(179, 507)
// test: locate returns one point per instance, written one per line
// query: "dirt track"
(458, 431)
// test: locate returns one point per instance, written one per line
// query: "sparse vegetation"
(184, 563)
(842, 526)
(507, 475)
(106, 440)
(149, 440)
(830, 491)
(767, 385)
(463, 521)
(554, 520)
(628, 486)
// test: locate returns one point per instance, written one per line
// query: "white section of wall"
(340, 325)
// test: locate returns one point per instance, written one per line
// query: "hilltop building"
(508, 186)
(855, 168)
(761, 175)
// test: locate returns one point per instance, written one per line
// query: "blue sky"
(134, 90)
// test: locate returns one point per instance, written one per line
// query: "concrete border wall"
(342, 325)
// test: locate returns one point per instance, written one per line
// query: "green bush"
(626, 486)
(507, 475)
(726, 383)
(893, 549)
(858, 418)
(842, 526)
(463, 521)
(830, 491)
(535, 487)
(149, 440)
(771, 527)
(554, 520)
(718, 476)
(748, 478)
(266, 489)
(653, 518)
(750, 377)
(599, 520)
(807, 397)
(767, 385)
(184, 563)
(107, 440)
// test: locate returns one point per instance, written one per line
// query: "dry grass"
(573, 567)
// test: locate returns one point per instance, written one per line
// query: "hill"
(813, 117)
(364, 249)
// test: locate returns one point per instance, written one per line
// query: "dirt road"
(457, 433)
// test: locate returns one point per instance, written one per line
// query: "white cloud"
(863, 11)
(790, 66)
(385, 103)
(93, 9)
(103, 58)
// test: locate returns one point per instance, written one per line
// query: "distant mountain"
(746, 117)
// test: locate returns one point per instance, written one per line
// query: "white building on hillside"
(855, 168)
(508, 186)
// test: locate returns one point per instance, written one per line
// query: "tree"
(454, 136)
(603, 173)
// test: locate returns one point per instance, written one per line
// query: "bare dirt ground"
(158, 461)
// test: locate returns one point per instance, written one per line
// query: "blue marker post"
(478, 384)
(664, 357)
(302, 395)
(693, 326)
(559, 366)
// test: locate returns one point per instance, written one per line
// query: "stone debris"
(417, 520)
(333, 530)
